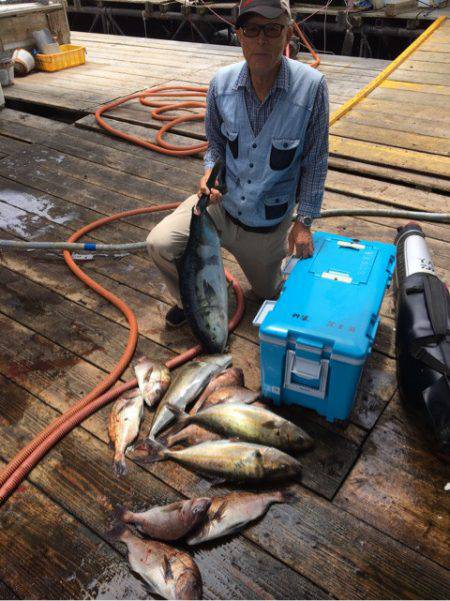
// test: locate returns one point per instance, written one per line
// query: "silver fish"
(250, 423)
(170, 573)
(187, 384)
(232, 513)
(233, 376)
(203, 286)
(124, 421)
(153, 380)
(223, 459)
(167, 522)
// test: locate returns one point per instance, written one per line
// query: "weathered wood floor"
(371, 520)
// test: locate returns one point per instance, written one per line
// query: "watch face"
(306, 221)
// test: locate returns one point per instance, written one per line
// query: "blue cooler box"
(315, 338)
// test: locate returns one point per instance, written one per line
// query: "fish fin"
(147, 450)
(120, 467)
(181, 416)
(216, 481)
(168, 574)
(116, 532)
(269, 424)
(219, 513)
(179, 413)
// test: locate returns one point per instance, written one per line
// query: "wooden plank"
(425, 88)
(342, 200)
(405, 73)
(8, 146)
(435, 101)
(49, 553)
(310, 530)
(6, 592)
(433, 57)
(391, 121)
(382, 135)
(80, 467)
(418, 180)
(398, 485)
(381, 154)
(421, 66)
(409, 109)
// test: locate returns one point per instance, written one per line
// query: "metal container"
(45, 42)
(23, 62)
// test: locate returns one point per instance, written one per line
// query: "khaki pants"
(259, 255)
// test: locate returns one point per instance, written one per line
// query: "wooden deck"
(371, 520)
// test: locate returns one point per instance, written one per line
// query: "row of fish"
(258, 440)
(154, 380)
(169, 572)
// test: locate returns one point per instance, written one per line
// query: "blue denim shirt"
(314, 161)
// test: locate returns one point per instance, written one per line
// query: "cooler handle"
(293, 365)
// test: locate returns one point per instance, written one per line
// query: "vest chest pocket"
(232, 139)
(282, 153)
(275, 206)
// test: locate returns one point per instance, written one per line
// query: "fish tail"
(116, 532)
(148, 450)
(183, 418)
(120, 513)
(119, 466)
(287, 496)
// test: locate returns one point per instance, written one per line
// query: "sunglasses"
(270, 30)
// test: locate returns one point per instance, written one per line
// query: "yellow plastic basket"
(70, 56)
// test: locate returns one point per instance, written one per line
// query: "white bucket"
(6, 73)
(23, 62)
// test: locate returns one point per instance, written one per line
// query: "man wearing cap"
(267, 120)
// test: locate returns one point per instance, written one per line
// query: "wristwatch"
(305, 220)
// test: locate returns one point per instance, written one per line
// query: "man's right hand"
(215, 195)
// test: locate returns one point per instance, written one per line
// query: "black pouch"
(282, 153)
(275, 207)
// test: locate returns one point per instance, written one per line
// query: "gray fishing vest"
(262, 172)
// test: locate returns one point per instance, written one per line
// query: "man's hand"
(300, 241)
(215, 195)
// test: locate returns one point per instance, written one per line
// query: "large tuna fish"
(203, 286)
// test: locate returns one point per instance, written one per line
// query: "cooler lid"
(348, 261)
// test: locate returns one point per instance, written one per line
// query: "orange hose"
(146, 99)
(24, 461)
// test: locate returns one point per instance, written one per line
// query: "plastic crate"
(70, 56)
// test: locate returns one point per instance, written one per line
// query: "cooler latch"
(305, 375)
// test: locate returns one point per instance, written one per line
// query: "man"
(267, 120)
